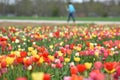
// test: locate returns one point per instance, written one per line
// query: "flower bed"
(87, 52)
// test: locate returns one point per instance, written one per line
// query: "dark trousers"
(71, 15)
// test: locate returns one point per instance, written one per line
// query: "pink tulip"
(98, 65)
(53, 65)
(61, 59)
(96, 75)
(21, 78)
(59, 65)
(0, 74)
(67, 78)
(88, 79)
(105, 54)
(10, 48)
(118, 71)
(67, 46)
(117, 74)
(4, 70)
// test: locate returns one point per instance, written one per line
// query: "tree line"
(58, 8)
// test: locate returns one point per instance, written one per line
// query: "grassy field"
(63, 18)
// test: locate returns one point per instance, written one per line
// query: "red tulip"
(3, 64)
(63, 50)
(13, 39)
(88, 44)
(73, 70)
(40, 49)
(11, 55)
(81, 68)
(28, 62)
(35, 59)
(3, 39)
(47, 60)
(110, 66)
(57, 34)
(47, 77)
(71, 46)
(45, 54)
(23, 53)
(19, 59)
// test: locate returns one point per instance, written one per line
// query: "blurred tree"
(4, 8)
(24, 7)
(58, 8)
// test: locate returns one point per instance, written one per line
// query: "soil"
(22, 24)
(6, 24)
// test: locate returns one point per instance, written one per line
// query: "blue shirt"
(71, 8)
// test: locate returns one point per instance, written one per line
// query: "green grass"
(63, 18)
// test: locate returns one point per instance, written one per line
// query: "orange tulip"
(75, 77)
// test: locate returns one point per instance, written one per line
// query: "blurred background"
(57, 8)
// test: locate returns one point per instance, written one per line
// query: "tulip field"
(61, 52)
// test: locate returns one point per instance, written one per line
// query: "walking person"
(71, 12)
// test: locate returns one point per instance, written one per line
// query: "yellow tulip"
(9, 60)
(30, 48)
(110, 72)
(97, 54)
(76, 59)
(59, 53)
(86, 36)
(78, 48)
(88, 65)
(51, 57)
(36, 56)
(67, 59)
(24, 59)
(41, 60)
(37, 76)
(93, 35)
(34, 52)
(112, 53)
(17, 53)
(29, 53)
(62, 34)
(17, 33)
(74, 47)
(12, 52)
